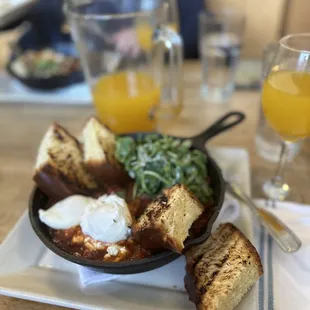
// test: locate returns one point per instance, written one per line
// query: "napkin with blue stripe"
(285, 284)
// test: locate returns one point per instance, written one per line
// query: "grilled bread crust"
(99, 145)
(59, 170)
(166, 221)
(220, 271)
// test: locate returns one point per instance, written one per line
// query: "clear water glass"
(220, 46)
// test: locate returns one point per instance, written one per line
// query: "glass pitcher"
(122, 46)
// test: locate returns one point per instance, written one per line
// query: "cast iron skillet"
(39, 200)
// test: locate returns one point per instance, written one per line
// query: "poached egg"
(65, 213)
(105, 219)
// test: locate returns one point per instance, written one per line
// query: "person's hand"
(126, 42)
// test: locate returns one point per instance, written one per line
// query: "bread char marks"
(160, 204)
(59, 170)
(221, 270)
(214, 243)
(164, 202)
(154, 213)
(67, 161)
(208, 270)
(58, 135)
(168, 219)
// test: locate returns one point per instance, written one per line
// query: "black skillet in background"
(39, 200)
(49, 83)
(28, 41)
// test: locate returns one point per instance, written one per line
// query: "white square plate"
(29, 270)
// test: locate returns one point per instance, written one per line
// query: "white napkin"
(286, 281)
(90, 278)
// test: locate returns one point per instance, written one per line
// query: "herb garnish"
(157, 162)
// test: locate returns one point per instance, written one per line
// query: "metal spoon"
(284, 237)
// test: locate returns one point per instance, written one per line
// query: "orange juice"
(286, 103)
(125, 100)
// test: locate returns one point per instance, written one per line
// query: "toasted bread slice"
(99, 146)
(59, 170)
(166, 221)
(98, 142)
(221, 270)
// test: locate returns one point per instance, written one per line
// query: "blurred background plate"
(12, 91)
(29, 54)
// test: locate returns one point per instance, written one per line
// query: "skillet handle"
(229, 120)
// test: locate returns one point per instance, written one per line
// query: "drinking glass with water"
(220, 46)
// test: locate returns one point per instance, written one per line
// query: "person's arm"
(23, 16)
(15, 23)
(189, 13)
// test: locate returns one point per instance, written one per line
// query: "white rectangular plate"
(14, 91)
(30, 271)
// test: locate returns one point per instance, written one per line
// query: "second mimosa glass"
(286, 102)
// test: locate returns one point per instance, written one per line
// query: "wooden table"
(22, 127)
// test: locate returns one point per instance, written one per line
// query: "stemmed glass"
(286, 102)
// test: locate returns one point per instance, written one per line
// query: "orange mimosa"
(125, 100)
(286, 103)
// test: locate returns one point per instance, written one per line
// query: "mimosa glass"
(286, 102)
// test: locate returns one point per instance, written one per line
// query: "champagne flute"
(286, 102)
